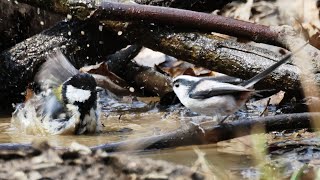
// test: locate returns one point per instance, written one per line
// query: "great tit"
(67, 103)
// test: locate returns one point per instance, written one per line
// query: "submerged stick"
(198, 136)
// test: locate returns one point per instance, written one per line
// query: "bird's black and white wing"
(224, 79)
(55, 71)
(207, 88)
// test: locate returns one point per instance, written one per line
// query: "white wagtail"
(216, 96)
(67, 103)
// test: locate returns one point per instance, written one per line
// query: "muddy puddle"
(132, 118)
(142, 125)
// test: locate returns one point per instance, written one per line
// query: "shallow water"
(122, 125)
(127, 127)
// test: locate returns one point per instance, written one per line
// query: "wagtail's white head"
(210, 96)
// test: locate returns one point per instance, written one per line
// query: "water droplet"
(100, 28)
(69, 16)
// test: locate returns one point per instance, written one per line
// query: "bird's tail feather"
(249, 83)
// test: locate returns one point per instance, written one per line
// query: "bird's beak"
(171, 82)
(99, 89)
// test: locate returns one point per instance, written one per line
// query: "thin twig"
(171, 16)
(190, 19)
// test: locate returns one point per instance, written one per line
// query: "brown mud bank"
(44, 162)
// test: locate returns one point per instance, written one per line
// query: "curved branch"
(195, 135)
(190, 19)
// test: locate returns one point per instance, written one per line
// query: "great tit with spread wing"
(67, 103)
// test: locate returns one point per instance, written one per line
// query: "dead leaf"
(106, 83)
(314, 40)
(243, 12)
(176, 68)
(272, 100)
(29, 94)
(150, 58)
(107, 79)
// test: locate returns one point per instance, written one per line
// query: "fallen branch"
(172, 16)
(200, 136)
(284, 36)
(196, 5)
(144, 80)
(188, 19)
(147, 79)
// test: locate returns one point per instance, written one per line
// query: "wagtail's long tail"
(249, 83)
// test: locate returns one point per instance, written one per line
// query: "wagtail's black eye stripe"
(183, 82)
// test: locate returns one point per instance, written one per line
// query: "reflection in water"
(187, 156)
(128, 126)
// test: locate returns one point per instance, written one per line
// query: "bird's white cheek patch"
(77, 95)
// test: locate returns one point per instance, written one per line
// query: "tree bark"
(146, 79)
(20, 21)
(196, 5)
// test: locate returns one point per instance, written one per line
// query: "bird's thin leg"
(199, 126)
(224, 119)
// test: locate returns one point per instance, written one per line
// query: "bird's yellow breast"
(58, 93)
